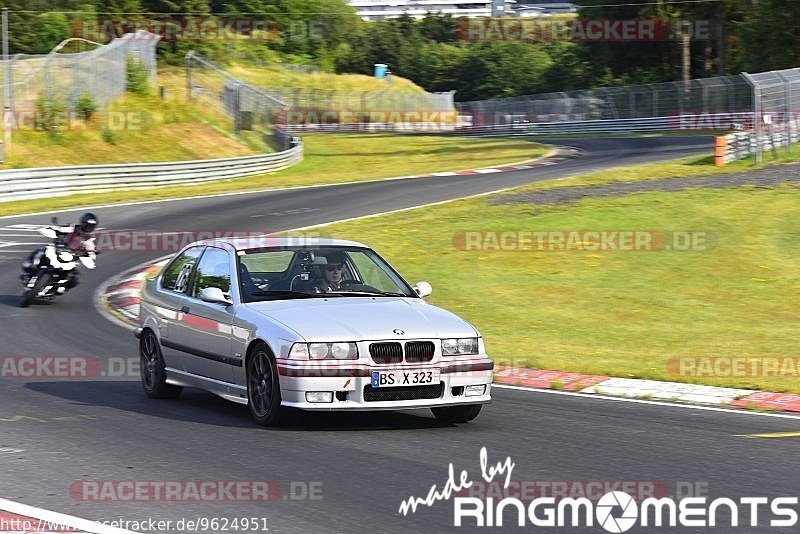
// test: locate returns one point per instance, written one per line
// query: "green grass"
(330, 158)
(144, 128)
(174, 129)
(614, 313)
(277, 77)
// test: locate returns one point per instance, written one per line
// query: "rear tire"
(457, 414)
(29, 294)
(263, 386)
(153, 370)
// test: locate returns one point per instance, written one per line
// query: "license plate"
(412, 377)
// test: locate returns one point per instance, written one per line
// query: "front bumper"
(351, 384)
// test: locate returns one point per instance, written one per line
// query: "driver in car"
(331, 279)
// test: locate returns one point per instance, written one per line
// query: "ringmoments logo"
(615, 511)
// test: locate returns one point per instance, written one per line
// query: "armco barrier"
(42, 182)
(673, 123)
(740, 145)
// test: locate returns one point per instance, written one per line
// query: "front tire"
(153, 370)
(457, 414)
(263, 387)
(29, 294)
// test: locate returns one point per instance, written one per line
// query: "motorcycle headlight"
(459, 346)
(65, 256)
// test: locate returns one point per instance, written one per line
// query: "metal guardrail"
(43, 182)
(677, 123)
(647, 124)
(743, 144)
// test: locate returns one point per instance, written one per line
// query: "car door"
(204, 333)
(172, 297)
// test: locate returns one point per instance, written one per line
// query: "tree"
(768, 36)
(496, 69)
(51, 29)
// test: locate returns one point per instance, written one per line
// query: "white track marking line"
(15, 243)
(3, 234)
(56, 518)
(644, 401)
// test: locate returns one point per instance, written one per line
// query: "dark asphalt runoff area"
(361, 466)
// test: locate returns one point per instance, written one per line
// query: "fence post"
(187, 61)
(787, 97)
(756, 113)
(237, 119)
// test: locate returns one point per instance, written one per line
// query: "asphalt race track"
(56, 432)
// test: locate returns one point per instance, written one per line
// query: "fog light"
(475, 391)
(319, 396)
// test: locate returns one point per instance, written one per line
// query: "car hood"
(364, 318)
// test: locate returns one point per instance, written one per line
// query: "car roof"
(261, 241)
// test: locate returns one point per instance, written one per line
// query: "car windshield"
(309, 272)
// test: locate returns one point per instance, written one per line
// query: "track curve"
(367, 463)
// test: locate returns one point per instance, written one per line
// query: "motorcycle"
(51, 270)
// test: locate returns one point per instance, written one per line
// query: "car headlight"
(324, 351)
(459, 346)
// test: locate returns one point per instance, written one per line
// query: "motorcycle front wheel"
(30, 293)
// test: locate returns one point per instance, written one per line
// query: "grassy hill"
(141, 128)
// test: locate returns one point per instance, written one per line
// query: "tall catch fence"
(304, 109)
(762, 107)
(250, 108)
(728, 94)
(65, 77)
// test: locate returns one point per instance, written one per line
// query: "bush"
(50, 113)
(136, 76)
(85, 106)
(108, 135)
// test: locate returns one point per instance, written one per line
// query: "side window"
(176, 274)
(214, 270)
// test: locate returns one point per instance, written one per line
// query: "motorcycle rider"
(81, 241)
(78, 239)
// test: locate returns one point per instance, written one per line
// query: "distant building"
(387, 9)
(539, 8)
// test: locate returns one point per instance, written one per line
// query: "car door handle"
(185, 309)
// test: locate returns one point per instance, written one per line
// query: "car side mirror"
(214, 295)
(423, 289)
(54, 221)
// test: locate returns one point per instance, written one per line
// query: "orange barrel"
(720, 147)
